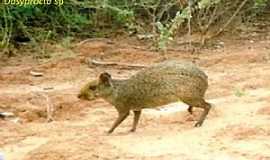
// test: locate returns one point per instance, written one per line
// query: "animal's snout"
(83, 96)
(79, 96)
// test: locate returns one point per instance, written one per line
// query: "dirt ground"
(237, 128)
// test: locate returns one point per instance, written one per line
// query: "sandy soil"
(236, 128)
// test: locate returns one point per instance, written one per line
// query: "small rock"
(6, 114)
(36, 74)
(10, 117)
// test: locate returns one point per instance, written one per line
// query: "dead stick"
(92, 40)
(95, 62)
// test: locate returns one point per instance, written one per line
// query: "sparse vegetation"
(164, 20)
(239, 92)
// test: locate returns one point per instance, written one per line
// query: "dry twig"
(128, 65)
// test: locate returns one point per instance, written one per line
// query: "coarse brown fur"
(160, 84)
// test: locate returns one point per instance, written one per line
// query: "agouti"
(160, 84)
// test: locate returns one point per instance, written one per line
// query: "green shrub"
(163, 19)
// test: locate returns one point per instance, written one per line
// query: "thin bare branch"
(101, 63)
(232, 17)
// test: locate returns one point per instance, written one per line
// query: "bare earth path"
(237, 127)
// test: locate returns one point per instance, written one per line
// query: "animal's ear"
(105, 78)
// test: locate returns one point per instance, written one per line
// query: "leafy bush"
(92, 18)
(74, 17)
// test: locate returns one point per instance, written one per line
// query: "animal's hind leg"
(206, 106)
(190, 109)
(137, 115)
(200, 103)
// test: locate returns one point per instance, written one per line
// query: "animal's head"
(96, 88)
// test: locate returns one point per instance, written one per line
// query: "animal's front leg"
(121, 117)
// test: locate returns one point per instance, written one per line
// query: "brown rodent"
(160, 84)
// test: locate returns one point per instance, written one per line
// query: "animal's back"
(164, 83)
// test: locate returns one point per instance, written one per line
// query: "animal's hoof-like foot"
(198, 124)
(190, 110)
(109, 132)
(132, 130)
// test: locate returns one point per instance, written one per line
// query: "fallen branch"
(128, 65)
(93, 40)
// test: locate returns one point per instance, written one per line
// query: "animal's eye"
(93, 88)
